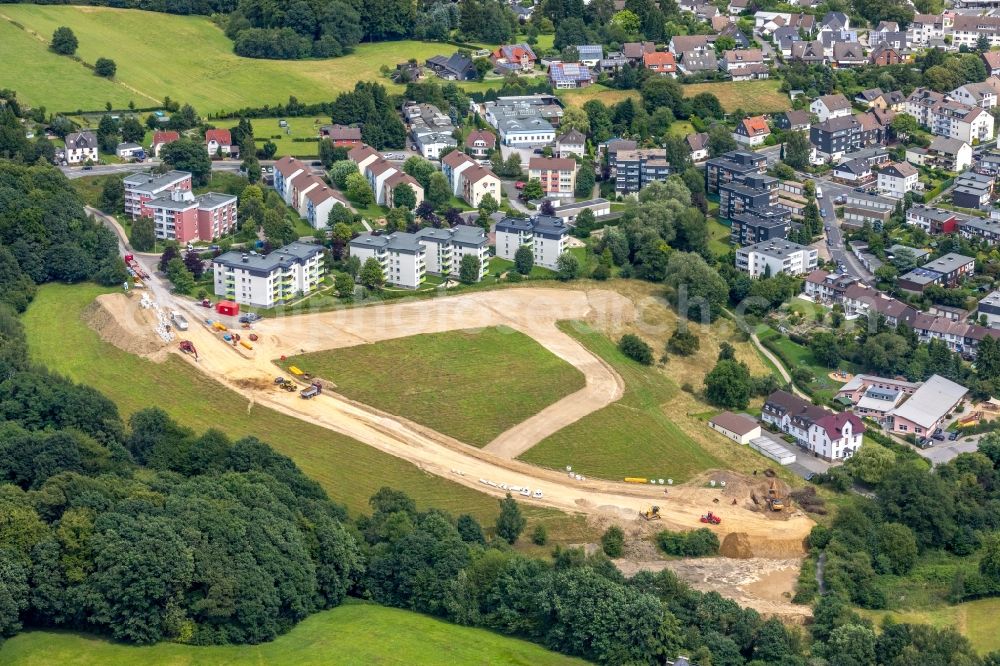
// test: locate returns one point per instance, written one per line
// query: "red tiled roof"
(165, 137)
(834, 424)
(551, 164)
(220, 136)
(489, 138)
(659, 59)
(755, 126)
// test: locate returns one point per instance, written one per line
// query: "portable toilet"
(227, 308)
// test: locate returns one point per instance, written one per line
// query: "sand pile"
(736, 545)
(118, 320)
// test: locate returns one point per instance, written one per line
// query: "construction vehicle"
(711, 519)
(651, 513)
(774, 501)
(188, 348)
(314, 390)
(179, 321)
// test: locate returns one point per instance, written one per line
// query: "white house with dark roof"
(895, 179)
(80, 147)
(571, 143)
(830, 106)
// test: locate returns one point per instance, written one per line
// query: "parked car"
(953, 435)
(519, 185)
(939, 436)
(249, 318)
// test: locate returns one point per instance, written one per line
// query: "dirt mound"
(256, 383)
(118, 320)
(736, 545)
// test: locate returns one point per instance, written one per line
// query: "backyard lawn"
(794, 355)
(609, 96)
(356, 633)
(751, 96)
(471, 385)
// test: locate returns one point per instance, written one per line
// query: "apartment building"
(444, 248)
(402, 257)
(758, 225)
(827, 435)
(185, 218)
(634, 169)
(967, 29)
(772, 257)
(141, 188)
(546, 235)
(950, 118)
(557, 175)
(468, 179)
(747, 192)
(268, 280)
(728, 167)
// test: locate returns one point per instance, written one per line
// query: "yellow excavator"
(651, 513)
(774, 501)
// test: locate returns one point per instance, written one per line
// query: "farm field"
(656, 429)
(357, 633)
(751, 96)
(349, 470)
(209, 76)
(471, 385)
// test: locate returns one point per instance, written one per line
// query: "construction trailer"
(227, 308)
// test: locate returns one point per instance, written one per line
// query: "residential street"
(835, 237)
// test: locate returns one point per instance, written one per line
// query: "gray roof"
(774, 248)
(399, 241)
(259, 264)
(147, 182)
(214, 199)
(546, 226)
(948, 263)
(461, 234)
(508, 125)
(931, 402)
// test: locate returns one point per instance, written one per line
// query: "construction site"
(751, 515)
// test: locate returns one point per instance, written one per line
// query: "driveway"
(943, 452)
(805, 463)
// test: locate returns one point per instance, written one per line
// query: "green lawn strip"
(471, 385)
(798, 356)
(349, 470)
(355, 633)
(632, 437)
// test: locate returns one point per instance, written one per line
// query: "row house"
(972, 190)
(932, 220)
(946, 271)
(468, 180)
(980, 229)
(383, 177)
(732, 166)
(546, 235)
(827, 435)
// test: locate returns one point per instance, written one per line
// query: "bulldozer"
(651, 513)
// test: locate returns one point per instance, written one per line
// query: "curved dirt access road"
(532, 311)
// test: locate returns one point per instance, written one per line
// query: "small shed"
(228, 308)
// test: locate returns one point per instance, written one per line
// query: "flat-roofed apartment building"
(268, 280)
(407, 258)
(545, 234)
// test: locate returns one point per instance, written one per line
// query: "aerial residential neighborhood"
(531, 332)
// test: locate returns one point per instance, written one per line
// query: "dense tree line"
(45, 235)
(374, 109)
(915, 511)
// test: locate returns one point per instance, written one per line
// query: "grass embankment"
(349, 470)
(354, 633)
(656, 429)
(471, 385)
(794, 355)
(976, 620)
(187, 58)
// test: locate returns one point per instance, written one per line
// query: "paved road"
(839, 252)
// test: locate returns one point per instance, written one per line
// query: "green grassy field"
(632, 437)
(186, 57)
(471, 385)
(751, 96)
(354, 633)
(609, 96)
(718, 237)
(800, 357)
(349, 470)
(976, 620)
(267, 129)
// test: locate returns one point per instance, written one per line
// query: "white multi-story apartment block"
(771, 257)
(444, 248)
(268, 280)
(967, 29)
(926, 27)
(546, 235)
(401, 255)
(950, 118)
